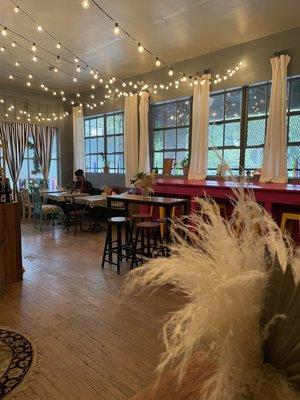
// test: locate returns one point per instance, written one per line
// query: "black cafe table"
(166, 202)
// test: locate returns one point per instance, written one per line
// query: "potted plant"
(185, 165)
(145, 182)
(106, 163)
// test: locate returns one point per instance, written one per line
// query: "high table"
(166, 202)
(266, 193)
(60, 196)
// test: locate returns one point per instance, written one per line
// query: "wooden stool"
(110, 249)
(288, 217)
(146, 230)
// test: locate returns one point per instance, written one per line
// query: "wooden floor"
(67, 304)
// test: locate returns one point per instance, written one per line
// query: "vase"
(145, 193)
(185, 170)
(106, 169)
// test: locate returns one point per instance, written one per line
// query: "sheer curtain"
(274, 168)
(144, 161)
(78, 139)
(14, 135)
(199, 148)
(43, 139)
(131, 137)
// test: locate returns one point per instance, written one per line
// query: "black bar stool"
(116, 246)
(145, 232)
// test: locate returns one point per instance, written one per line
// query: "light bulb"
(93, 86)
(39, 28)
(76, 59)
(184, 78)
(130, 83)
(34, 59)
(78, 69)
(62, 92)
(85, 4)
(74, 79)
(16, 9)
(46, 89)
(28, 84)
(158, 62)
(42, 85)
(140, 48)
(4, 31)
(91, 71)
(111, 81)
(13, 44)
(171, 72)
(96, 76)
(2, 49)
(225, 77)
(55, 69)
(11, 77)
(54, 93)
(117, 29)
(124, 84)
(78, 95)
(92, 96)
(17, 63)
(33, 47)
(58, 45)
(101, 80)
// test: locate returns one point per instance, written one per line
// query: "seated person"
(81, 183)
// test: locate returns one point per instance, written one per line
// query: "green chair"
(40, 210)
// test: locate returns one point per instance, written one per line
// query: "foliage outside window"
(170, 133)
(104, 137)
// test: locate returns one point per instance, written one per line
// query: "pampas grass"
(220, 268)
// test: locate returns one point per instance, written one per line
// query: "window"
(225, 130)
(257, 113)
(31, 171)
(293, 123)
(170, 133)
(104, 137)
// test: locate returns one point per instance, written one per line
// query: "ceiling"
(173, 29)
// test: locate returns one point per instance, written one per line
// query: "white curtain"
(131, 137)
(144, 161)
(78, 139)
(43, 139)
(199, 148)
(274, 168)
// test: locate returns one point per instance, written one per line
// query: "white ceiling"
(173, 29)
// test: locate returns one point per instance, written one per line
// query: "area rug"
(17, 360)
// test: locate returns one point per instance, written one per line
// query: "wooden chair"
(286, 217)
(41, 210)
(27, 205)
(73, 214)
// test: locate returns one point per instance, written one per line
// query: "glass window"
(293, 123)
(225, 130)
(170, 133)
(104, 142)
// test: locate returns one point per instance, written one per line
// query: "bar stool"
(288, 217)
(116, 246)
(148, 230)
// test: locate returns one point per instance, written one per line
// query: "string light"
(2, 49)
(117, 29)
(13, 44)
(58, 45)
(4, 31)
(16, 9)
(157, 62)
(55, 69)
(11, 77)
(76, 59)
(30, 76)
(39, 28)
(34, 59)
(33, 47)
(78, 69)
(17, 63)
(171, 72)
(74, 79)
(140, 48)
(85, 4)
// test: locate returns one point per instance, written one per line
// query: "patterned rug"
(17, 359)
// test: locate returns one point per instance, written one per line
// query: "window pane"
(257, 100)
(233, 104)
(254, 158)
(93, 127)
(169, 154)
(88, 162)
(53, 174)
(119, 162)
(158, 160)
(183, 113)
(110, 144)
(110, 125)
(216, 135)
(100, 145)
(87, 146)
(294, 128)
(93, 145)
(87, 127)
(100, 163)
(100, 126)
(293, 156)
(232, 134)
(216, 108)
(159, 116)
(118, 123)
(111, 161)
(183, 138)
(295, 95)
(232, 157)
(214, 158)
(158, 140)
(119, 143)
(170, 139)
(94, 163)
(256, 132)
(170, 114)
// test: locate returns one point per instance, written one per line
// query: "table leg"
(168, 223)
(127, 227)
(186, 208)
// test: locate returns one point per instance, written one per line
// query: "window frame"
(105, 140)
(289, 114)
(164, 128)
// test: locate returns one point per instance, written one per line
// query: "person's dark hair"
(79, 172)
